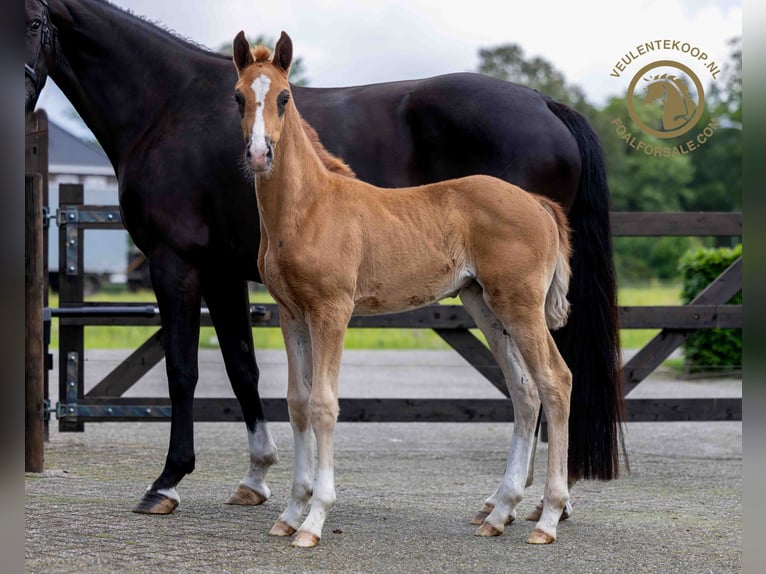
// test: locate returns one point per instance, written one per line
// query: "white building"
(73, 160)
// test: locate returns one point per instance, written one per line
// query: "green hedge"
(710, 350)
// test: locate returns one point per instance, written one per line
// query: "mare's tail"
(590, 342)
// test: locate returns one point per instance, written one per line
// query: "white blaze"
(258, 145)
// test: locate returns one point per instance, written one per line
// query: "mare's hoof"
(305, 539)
(281, 529)
(486, 529)
(246, 496)
(155, 503)
(540, 537)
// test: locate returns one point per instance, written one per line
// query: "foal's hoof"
(305, 539)
(281, 529)
(481, 516)
(153, 502)
(246, 496)
(487, 530)
(540, 537)
(535, 515)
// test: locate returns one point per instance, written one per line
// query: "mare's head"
(262, 94)
(39, 49)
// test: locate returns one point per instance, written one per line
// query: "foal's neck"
(297, 175)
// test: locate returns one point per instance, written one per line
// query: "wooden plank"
(438, 410)
(130, 371)
(685, 224)
(720, 291)
(683, 317)
(623, 223)
(36, 161)
(34, 356)
(683, 409)
(432, 317)
(71, 293)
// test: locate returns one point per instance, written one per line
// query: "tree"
(727, 101)
(297, 71)
(718, 164)
(507, 62)
(638, 182)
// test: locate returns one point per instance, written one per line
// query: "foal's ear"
(241, 53)
(283, 52)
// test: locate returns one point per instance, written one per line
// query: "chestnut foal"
(333, 246)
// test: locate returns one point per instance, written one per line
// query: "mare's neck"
(123, 74)
(297, 177)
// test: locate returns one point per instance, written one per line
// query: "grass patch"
(646, 294)
(122, 337)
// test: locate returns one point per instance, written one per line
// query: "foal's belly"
(408, 291)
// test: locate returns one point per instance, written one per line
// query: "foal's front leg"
(327, 329)
(298, 346)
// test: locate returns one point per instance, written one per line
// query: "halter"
(48, 32)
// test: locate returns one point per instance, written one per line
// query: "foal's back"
(416, 245)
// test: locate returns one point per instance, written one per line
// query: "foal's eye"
(240, 99)
(282, 99)
(36, 24)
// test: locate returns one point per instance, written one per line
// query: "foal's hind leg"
(554, 381)
(227, 299)
(499, 508)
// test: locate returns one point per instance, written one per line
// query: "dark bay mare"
(162, 109)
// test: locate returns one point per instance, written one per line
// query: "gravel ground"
(406, 493)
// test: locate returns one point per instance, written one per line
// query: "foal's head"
(262, 94)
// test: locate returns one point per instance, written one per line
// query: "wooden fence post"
(34, 411)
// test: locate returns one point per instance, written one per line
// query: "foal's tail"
(556, 303)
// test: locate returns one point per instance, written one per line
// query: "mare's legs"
(298, 346)
(177, 285)
(327, 328)
(227, 299)
(499, 508)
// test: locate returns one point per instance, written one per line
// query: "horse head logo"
(671, 88)
(678, 105)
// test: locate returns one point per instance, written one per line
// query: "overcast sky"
(350, 42)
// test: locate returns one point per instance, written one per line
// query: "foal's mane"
(333, 163)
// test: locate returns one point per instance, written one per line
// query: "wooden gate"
(105, 402)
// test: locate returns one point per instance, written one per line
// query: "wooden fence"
(105, 402)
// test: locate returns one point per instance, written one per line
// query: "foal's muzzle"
(260, 157)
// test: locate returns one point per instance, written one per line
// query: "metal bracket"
(73, 214)
(74, 411)
(71, 410)
(72, 217)
(68, 218)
